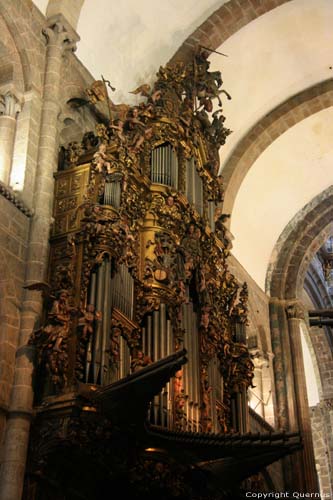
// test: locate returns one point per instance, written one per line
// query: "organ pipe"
(211, 215)
(240, 333)
(96, 351)
(185, 368)
(190, 167)
(164, 166)
(112, 193)
(92, 290)
(198, 192)
(196, 363)
(106, 321)
(168, 387)
(194, 186)
(122, 288)
(191, 369)
(190, 332)
(91, 301)
(124, 359)
(156, 316)
(106, 293)
(157, 343)
(174, 169)
(162, 331)
(215, 382)
(149, 336)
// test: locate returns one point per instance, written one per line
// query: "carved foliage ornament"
(178, 109)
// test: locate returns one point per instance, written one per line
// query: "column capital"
(58, 31)
(10, 103)
(295, 309)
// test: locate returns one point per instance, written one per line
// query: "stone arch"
(223, 23)
(321, 355)
(285, 279)
(297, 245)
(269, 128)
(289, 274)
(11, 70)
(315, 287)
(28, 50)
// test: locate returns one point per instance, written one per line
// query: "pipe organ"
(194, 186)
(122, 291)
(141, 354)
(157, 343)
(211, 214)
(191, 371)
(126, 248)
(99, 298)
(109, 289)
(240, 399)
(157, 338)
(164, 166)
(112, 191)
(216, 395)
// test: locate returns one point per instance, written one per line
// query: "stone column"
(284, 388)
(295, 314)
(279, 367)
(9, 109)
(60, 38)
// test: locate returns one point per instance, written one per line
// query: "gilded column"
(60, 38)
(295, 314)
(9, 109)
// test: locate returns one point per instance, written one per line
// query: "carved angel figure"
(59, 320)
(100, 160)
(140, 361)
(89, 315)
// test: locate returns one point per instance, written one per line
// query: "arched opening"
(296, 278)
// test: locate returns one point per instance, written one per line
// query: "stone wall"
(29, 80)
(322, 429)
(14, 231)
(259, 342)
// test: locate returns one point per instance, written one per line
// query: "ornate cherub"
(116, 332)
(100, 160)
(89, 315)
(118, 126)
(140, 361)
(57, 328)
(221, 231)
